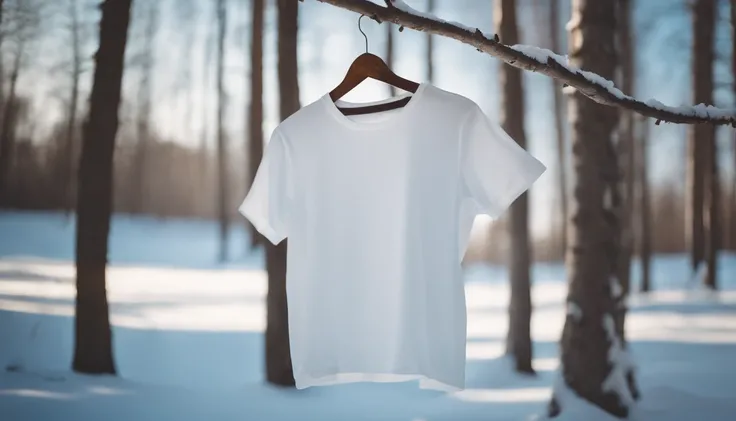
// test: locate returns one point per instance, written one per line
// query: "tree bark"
(554, 17)
(645, 248)
(713, 220)
(602, 93)
(732, 218)
(589, 333)
(222, 161)
(93, 336)
(518, 340)
(278, 355)
(430, 46)
(626, 145)
(700, 136)
(254, 144)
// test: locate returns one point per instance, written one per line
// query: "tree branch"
(538, 60)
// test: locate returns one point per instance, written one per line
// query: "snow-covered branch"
(537, 60)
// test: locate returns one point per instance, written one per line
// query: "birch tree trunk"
(93, 336)
(518, 339)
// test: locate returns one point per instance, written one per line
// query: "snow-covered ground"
(189, 346)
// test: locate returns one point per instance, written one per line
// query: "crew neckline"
(398, 114)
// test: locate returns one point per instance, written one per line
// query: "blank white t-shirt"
(378, 209)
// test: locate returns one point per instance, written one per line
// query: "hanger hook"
(364, 35)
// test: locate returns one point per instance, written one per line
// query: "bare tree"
(703, 170)
(205, 103)
(144, 106)
(700, 135)
(390, 54)
(430, 46)
(21, 26)
(93, 336)
(645, 226)
(76, 60)
(518, 340)
(254, 142)
(626, 143)
(590, 336)
(278, 354)
(554, 17)
(732, 205)
(222, 161)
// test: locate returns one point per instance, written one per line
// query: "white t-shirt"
(378, 209)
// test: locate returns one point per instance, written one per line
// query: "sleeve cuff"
(514, 190)
(260, 222)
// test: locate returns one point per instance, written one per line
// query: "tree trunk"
(626, 145)
(645, 248)
(732, 219)
(390, 53)
(7, 131)
(700, 134)
(222, 161)
(714, 223)
(518, 340)
(140, 175)
(278, 356)
(589, 335)
(254, 146)
(703, 140)
(93, 336)
(69, 144)
(430, 46)
(559, 125)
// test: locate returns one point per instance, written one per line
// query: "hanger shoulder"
(369, 65)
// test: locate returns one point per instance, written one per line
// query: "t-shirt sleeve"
(495, 169)
(266, 205)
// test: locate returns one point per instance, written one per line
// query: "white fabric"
(378, 210)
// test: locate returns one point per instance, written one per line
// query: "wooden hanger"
(369, 65)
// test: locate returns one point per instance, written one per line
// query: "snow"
(188, 339)
(700, 110)
(616, 288)
(620, 364)
(574, 311)
(542, 55)
(401, 5)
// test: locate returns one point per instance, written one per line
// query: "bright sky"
(329, 41)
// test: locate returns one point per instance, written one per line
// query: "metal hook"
(364, 35)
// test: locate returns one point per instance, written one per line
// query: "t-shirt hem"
(425, 382)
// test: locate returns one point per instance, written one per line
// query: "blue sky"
(328, 42)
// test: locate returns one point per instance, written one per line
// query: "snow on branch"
(538, 60)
